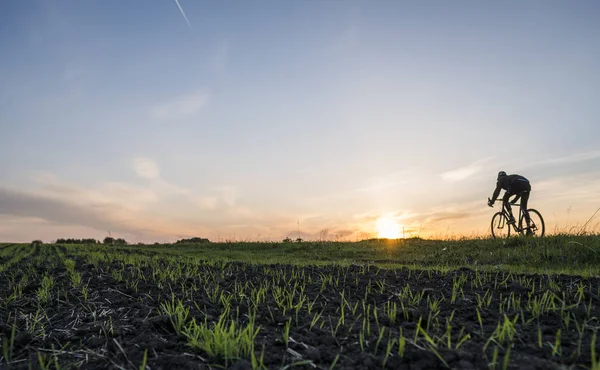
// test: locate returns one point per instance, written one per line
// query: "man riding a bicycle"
(514, 185)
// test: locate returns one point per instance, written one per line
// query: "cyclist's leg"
(506, 203)
(524, 200)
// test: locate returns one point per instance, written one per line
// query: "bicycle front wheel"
(536, 224)
(500, 226)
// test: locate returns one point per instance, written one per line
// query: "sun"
(388, 228)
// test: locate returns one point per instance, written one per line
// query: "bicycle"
(501, 227)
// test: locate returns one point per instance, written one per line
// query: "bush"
(76, 241)
(120, 241)
(194, 240)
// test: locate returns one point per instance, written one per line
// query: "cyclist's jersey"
(513, 184)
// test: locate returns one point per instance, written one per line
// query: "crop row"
(281, 315)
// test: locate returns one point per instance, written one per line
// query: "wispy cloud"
(374, 186)
(206, 203)
(95, 210)
(159, 209)
(228, 194)
(62, 211)
(378, 186)
(148, 169)
(20, 229)
(183, 13)
(582, 187)
(449, 215)
(181, 106)
(127, 196)
(465, 172)
(145, 168)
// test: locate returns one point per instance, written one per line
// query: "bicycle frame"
(517, 229)
(533, 226)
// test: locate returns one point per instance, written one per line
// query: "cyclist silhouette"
(514, 185)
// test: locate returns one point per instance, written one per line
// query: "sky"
(238, 120)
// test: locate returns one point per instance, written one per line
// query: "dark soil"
(121, 318)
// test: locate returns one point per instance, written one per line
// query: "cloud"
(119, 207)
(207, 203)
(145, 168)
(160, 208)
(583, 187)
(450, 212)
(181, 106)
(166, 187)
(118, 217)
(228, 194)
(183, 13)
(445, 216)
(128, 196)
(378, 186)
(463, 173)
(148, 169)
(373, 216)
(29, 205)
(24, 229)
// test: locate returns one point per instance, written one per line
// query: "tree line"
(109, 240)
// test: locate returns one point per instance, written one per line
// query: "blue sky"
(119, 116)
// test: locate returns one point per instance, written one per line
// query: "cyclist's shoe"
(511, 221)
(529, 232)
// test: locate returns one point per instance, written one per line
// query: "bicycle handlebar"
(501, 200)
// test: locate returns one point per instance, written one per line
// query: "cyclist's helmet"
(501, 174)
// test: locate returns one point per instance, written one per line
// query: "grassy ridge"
(567, 254)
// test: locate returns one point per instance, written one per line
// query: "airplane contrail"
(183, 13)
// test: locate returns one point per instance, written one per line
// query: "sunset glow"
(317, 120)
(388, 228)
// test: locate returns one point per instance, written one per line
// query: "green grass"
(566, 254)
(558, 254)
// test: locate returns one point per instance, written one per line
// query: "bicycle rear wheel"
(537, 226)
(500, 226)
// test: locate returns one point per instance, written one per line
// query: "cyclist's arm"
(496, 193)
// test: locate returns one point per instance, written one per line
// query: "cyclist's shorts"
(519, 186)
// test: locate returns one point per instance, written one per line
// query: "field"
(407, 304)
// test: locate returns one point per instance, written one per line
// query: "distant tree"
(299, 240)
(109, 240)
(120, 241)
(287, 240)
(76, 241)
(195, 240)
(36, 243)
